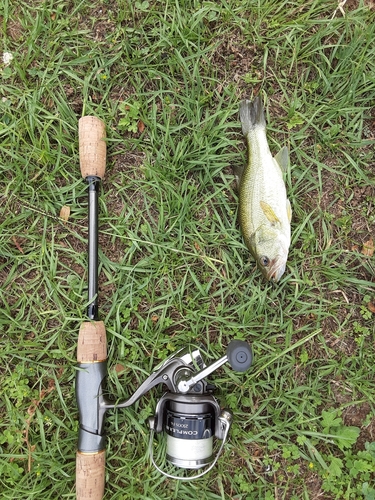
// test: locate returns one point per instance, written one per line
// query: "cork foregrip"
(92, 342)
(92, 146)
(90, 475)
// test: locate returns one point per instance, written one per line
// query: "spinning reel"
(187, 414)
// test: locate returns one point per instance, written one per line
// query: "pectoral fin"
(269, 213)
(282, 158)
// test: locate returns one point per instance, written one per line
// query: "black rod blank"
(93, 190)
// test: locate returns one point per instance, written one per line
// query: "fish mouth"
(276, 269)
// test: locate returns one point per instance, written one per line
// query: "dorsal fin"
(282, 158)
(238, 171)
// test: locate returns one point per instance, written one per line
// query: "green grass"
(173, 266)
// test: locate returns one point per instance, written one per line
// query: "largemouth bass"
(264, 209)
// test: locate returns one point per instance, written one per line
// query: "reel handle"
(90, 459)
(92, 146)
(239, 355)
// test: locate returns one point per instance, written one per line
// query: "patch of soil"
(356, 415)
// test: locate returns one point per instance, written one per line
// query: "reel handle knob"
(240, 355)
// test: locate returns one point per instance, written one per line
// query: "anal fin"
(289, 210)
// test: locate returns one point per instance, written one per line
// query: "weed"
(129, 113)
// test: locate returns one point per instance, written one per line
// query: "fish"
(265, 212)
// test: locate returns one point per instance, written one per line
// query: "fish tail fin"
(252, 115)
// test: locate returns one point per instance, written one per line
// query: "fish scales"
(255, 182)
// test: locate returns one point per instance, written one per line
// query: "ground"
(167, 79)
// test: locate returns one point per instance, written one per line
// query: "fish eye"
(264, 261)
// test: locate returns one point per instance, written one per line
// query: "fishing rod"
(187, 416)
(92, 343)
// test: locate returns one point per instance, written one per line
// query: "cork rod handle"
(90, 466)
(92, 342)
(92, 146)
(90, 475)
